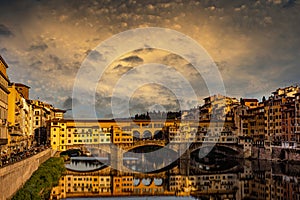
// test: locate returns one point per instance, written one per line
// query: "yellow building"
(17, 120)
(65, 134)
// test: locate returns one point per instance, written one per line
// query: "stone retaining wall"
(12, 177)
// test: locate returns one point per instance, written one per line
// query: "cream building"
(3, 105)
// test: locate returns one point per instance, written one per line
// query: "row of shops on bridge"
(66, 134)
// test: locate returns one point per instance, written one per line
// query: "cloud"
(69, 103)
(133, 59)
(5, 31)
(94, 55)
(38, 47)
(36, 64)
(256, 44)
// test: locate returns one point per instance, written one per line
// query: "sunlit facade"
(19, 120)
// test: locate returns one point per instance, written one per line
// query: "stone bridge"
(116, 151)
(228, 148)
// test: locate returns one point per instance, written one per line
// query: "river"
(198, 179)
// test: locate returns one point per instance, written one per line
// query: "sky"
(255, 46)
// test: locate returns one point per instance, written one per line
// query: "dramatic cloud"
(255, 45)
(41, 47)
(4, 31)
(134, 59)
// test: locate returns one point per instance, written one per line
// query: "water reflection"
(85, 164)
(151, 161)
(246, 180)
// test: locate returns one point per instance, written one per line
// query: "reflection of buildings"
(255, 181)
(122, 185)
(80, 185)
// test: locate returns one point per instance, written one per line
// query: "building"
(273, 115)
(20, 127)
(42, 113)
(4, 81)
(297, 117)
(65, 134)
(23, 90)
(218, 107)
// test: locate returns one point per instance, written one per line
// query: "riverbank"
(13, 177)
(40, 184)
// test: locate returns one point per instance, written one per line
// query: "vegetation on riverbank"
(41, 182)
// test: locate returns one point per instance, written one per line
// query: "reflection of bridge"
(106, 182)
(116, 151)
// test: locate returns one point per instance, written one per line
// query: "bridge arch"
(158, 181)
(136, 135)
(146, 181)
(226, 150)
(136, 182)
(147, 134)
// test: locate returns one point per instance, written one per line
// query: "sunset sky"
(255, 45)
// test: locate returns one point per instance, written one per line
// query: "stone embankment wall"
(261, 153)
(12, 177)
(278, 153)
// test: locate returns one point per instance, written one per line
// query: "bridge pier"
(184, 160)
(116, 158)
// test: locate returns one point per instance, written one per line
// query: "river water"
(89, 178)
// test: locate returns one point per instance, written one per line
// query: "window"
(36, 123)
(69, 141)
(37, 112)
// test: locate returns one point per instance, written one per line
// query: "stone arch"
(136, 182)
(136, 135)
(147, 134)
(221, 149)
(158, 181)
(146, 181)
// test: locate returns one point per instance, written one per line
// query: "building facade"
(4, 81)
